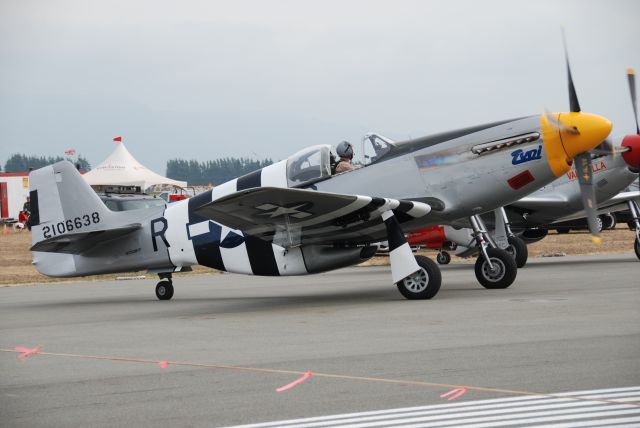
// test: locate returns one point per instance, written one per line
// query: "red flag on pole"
(118, 139)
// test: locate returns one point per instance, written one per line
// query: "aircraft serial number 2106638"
(68, 226)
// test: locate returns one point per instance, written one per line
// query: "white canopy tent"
(122, 169)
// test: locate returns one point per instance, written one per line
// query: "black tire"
(424, 284)
(164, 290)
(518, 250)
(563, 230)
(443, 258)
(608, 221)
(505, 269)
(636, 247)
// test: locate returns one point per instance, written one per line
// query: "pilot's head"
(345, 150)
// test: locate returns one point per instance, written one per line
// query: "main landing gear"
(424, 284)
(495, 268)
(513, 245)
(164, 289)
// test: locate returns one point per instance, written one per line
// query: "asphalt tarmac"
(566, 324)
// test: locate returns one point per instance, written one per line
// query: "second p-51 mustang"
(295, 218)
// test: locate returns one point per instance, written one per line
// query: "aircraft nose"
(632, 156)
(566, 135)
(591, 131)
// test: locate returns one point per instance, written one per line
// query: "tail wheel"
(500, 274)
(164, 290)
(423, 284)
(518, 250)
(636, 247)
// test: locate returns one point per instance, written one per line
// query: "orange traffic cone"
(5, 230)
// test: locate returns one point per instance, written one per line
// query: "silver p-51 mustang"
(295, 218)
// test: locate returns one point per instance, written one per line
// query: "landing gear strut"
(494, 268)
(635, 222)
(164, 289)
(516, 247)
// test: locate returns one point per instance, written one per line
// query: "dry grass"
(15, 259)
(17, 269)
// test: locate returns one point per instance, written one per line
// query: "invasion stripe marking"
(205, 246)
(249, 181)
(261, 257)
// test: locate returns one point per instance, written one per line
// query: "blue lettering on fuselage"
(520, 156)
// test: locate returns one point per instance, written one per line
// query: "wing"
(533, 202)
(291, 217)
(77, 243)
(620, 198)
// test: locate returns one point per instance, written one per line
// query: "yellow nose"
(577, 133)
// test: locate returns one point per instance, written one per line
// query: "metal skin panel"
(467, 183)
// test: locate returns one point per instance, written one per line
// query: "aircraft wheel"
(423, 284)
(599, 224)
(164, 290)
(563, 230)
(518, 250)
(609, 221)
(443, 258)
(636, 247)
(503, 273)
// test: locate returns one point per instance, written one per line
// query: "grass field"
(15, 256)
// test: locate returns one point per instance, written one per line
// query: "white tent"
(122, 169)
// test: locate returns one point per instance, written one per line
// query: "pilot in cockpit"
(345, 152)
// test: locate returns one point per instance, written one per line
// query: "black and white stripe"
(206, 245)
(618, 407)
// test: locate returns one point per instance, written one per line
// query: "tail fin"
(63, 203)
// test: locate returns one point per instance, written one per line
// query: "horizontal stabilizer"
(78, 243)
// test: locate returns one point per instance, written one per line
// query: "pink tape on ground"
(306, 376)
(163, 364)
(26, 352)
(455, 393)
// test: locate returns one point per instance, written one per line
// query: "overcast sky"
(207, 79)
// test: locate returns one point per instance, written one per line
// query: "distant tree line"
(22, 163)
(214, 171)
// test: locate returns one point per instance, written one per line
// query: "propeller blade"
(573, 96)
(559, 125)
(585, 178)
(607, 148)
(631, 77)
